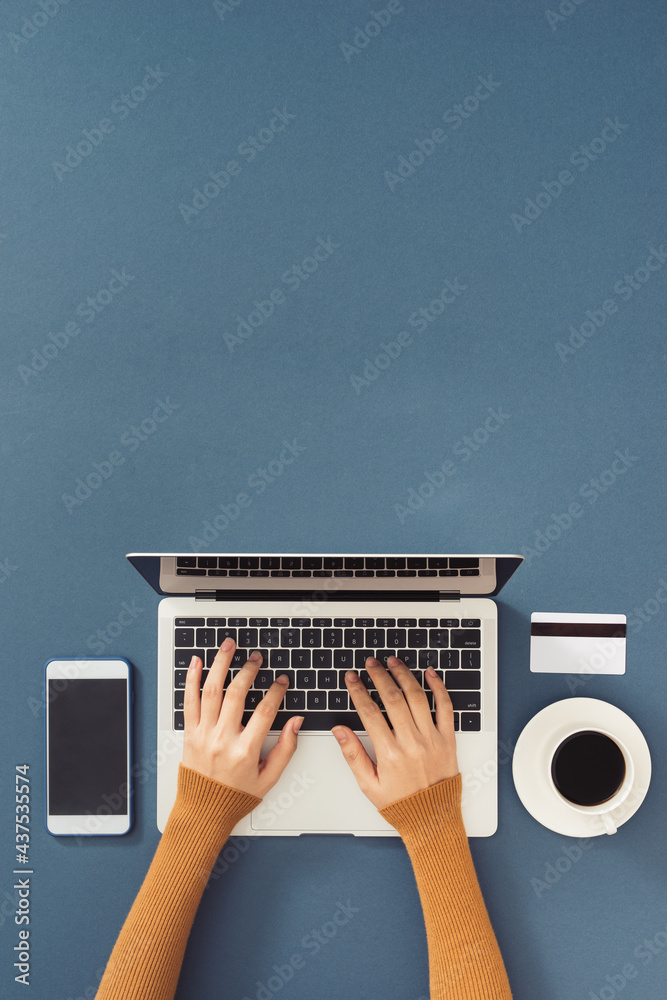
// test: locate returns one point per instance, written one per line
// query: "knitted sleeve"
(464, 958)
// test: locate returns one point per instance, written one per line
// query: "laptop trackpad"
(317, 791)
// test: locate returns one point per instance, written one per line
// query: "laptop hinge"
(221, 595)
(450, 595)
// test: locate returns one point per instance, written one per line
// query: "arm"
(146, 960)
(464, 957)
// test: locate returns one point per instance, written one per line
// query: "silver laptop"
(314, 616)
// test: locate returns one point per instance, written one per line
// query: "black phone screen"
(88, 748)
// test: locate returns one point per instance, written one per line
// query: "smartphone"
(88, 746)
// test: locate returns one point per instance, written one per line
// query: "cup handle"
(609, 825)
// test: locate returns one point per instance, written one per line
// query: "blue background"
(167, 335)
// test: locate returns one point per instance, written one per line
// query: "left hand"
(215, 742)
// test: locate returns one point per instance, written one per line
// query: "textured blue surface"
(350, 160)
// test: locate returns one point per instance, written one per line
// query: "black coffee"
(588, 768)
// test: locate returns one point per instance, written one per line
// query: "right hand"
(417, 753)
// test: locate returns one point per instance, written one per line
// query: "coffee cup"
(592, 771)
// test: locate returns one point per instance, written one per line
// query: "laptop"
(314, 616)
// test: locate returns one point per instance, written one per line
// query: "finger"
(354, 752)
(393, 698)
(211, 695)
(262, 718)
(444, 710)
(191, 696)
(233, 705)
(367, 710)
(414, 693)
(280, 755)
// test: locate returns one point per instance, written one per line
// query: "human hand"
(417, 753)
(215, 742)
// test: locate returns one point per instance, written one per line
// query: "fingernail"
(340, 735)
(296, 725)
(431, 672)
(256, 655)
(227, 644)
(352, 677)
(193, 661)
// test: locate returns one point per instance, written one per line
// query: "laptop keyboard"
(325, 566)
(315, 653)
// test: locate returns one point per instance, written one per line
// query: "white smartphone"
(88, 746)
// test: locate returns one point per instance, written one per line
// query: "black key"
(280, 572)
(291, 562)
(207, 562)
(237, 572)
(429, 572)
(179, 720)
(332, 638)
(354, 562)
(315, 722)
(218, 572)
(224, 633)
(364, 572)
(354, 637)
(377, 698)
(179, 678)
(416, 562)
(468, 638)
(182, 657)
(385, 622)
(364, 622)
(302, 572)
(311, 637)
(396, 637)
(343, 622)
(343, 659)
(336, 572)
(469, 572)
(306, 679)
(202, 679)
(394, 562)
(366, 680)
(408, 656)
(295, 701)
(360, 657)
(179, 697)
(456, 722)
(280, 623)
(184, 637)
(428, 658)
(374, 637)
(269, 637)
(337, 701)
(300, 623)
(252, 699)
(206, 637)
(428, 622)
(322, 572)
(239, 658)
(466, 700)
(259, 572)
(429, 698)
(290, 674)
(327, 679)
(391, 572)
(216, 622)
(462, 562)
(418, 637)
(237, 622)
(279, 659)
(437, 562)
(463, 680)
(322, 659)
(383, 655)
(211, 654)
(321, 623)
(312, 562)
(228, 562)
(449, 623)
(258, 622)
(408, 623)
(373, 562)
(333, 562)
(300, 659)
(470, 622)
(438, 638)
(290, 637)
(190, 572)
(449, 659)
(470, 659)
(249, 562)
(188, 561)
(270, 562)
(448, 572)
(263, 680)
(406, 572)
(471, 722)
(192, 622)
(316, 700)
(248, 637)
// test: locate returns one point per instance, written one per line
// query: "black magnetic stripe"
(581, 629)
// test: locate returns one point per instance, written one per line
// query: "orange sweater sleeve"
(464, 958)
(146, 960)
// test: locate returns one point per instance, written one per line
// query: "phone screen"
(88, 746)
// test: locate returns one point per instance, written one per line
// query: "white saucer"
(532, 761)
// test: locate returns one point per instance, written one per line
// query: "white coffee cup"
(605, 809)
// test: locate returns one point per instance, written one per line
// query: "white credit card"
(575, 643)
